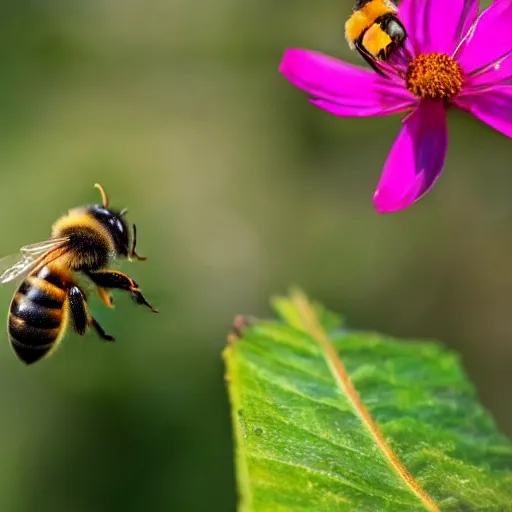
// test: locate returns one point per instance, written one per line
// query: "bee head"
(114, 221)
(117, 227)
(395, 30)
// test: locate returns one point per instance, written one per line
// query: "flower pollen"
(434, 76)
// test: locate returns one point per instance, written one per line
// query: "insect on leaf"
(327, 419)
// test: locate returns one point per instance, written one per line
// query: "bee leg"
(113, 279)
(80, 314)
(78, 309)
(105, 297)
(101, 333)
(368, 57)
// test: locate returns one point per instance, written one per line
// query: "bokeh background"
(240, 189)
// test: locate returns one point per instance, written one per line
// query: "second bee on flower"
(453, 56)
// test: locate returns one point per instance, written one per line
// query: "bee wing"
(14, 266)
(392, 4)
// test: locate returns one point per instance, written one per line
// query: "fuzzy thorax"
(91, 245)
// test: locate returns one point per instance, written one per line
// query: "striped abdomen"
(37, 316)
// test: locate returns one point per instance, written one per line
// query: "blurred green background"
(240, 188)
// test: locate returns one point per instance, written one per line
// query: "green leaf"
(327, 419)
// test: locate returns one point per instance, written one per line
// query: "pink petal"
(493, 106)
(495, 73)
(437, 25)
(339, 109)
(415, 160)
(489, 39)
(342, 88)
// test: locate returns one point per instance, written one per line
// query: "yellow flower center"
(434, 76)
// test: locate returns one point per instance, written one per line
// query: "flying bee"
(375, 31)
(83, 242)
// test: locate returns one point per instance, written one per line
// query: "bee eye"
(116, 224)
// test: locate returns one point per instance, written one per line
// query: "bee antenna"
(104, 196)
(133, 252)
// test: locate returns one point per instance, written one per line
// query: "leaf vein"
(331, 476)
(317, 333)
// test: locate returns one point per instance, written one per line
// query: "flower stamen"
(434, 76)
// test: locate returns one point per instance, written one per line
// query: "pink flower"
(456, 57)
